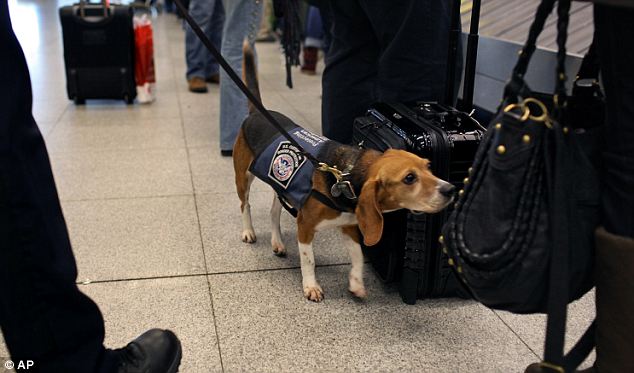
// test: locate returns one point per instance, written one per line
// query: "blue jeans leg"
(215, 35)
(242, 21)
(209, 14)
(314, 28)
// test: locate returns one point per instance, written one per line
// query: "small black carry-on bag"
(98, 51)
(409, 252)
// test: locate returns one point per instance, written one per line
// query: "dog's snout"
(448, 190)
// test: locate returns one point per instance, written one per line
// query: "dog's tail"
(249, 72)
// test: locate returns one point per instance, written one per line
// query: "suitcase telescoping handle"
(455, 30)
(472, 57)
(82, 7)
(455, 34)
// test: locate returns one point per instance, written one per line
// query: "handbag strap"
(589, 68)
(517, 86)
(558, 290)
(563, 19)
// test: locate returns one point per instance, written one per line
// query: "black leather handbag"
(521, 236)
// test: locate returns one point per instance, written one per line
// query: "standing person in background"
(382, 51)
(202, 67)
(242, 21)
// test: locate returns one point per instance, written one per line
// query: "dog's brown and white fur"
(390, 181)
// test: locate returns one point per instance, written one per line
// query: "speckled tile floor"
(154, 220)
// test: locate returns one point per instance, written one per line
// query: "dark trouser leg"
(349, 77)
(414, 39)
(615, 241)
(43, 315)
(615, 32)
(388, 51)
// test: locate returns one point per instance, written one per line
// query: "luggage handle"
(82, 7)
(455, 33)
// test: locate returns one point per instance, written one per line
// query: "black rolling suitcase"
(98, 51)
(409, 252)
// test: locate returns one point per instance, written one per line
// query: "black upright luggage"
(98, 51)
(409, 252)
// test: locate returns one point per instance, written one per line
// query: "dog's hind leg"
(276, 233)
(242, 158)
(352, 239)
(248, 233)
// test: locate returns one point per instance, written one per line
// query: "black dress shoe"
(155, 351)
(226, 153)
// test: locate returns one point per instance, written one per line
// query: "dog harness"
(279, 163)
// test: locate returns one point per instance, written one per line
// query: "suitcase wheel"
(128, 100)
(79, 101)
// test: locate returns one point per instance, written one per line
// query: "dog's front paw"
(359, 293)
(314, 293)
(278, 247)
(356, 287)
(248, 236)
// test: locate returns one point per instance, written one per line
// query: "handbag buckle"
(524, 110)
(543, 116)
(552, 367)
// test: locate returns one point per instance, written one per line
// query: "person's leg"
(43, 315)
(242, 18)
(313, 41)
(196, 55)
(169, 6)
(314, 28)
(615, 33)
(324, 12)
(265, 33)
(214, 33)
(414, 40)
(615, 241)
(349, 78)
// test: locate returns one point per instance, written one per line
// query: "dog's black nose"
(448, 190)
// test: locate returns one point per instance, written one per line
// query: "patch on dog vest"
(287, 160)
(283, 167)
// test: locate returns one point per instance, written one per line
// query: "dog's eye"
(409, 179)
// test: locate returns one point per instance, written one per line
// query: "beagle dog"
(383, 182)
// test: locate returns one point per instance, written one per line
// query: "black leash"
(236, 79)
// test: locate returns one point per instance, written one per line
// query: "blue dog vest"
(279, 163)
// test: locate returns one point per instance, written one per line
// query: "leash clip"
(343, 187)
(333, 170)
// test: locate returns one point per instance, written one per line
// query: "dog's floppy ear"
(368, 214)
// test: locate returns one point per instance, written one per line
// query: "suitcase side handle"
(396, 129)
